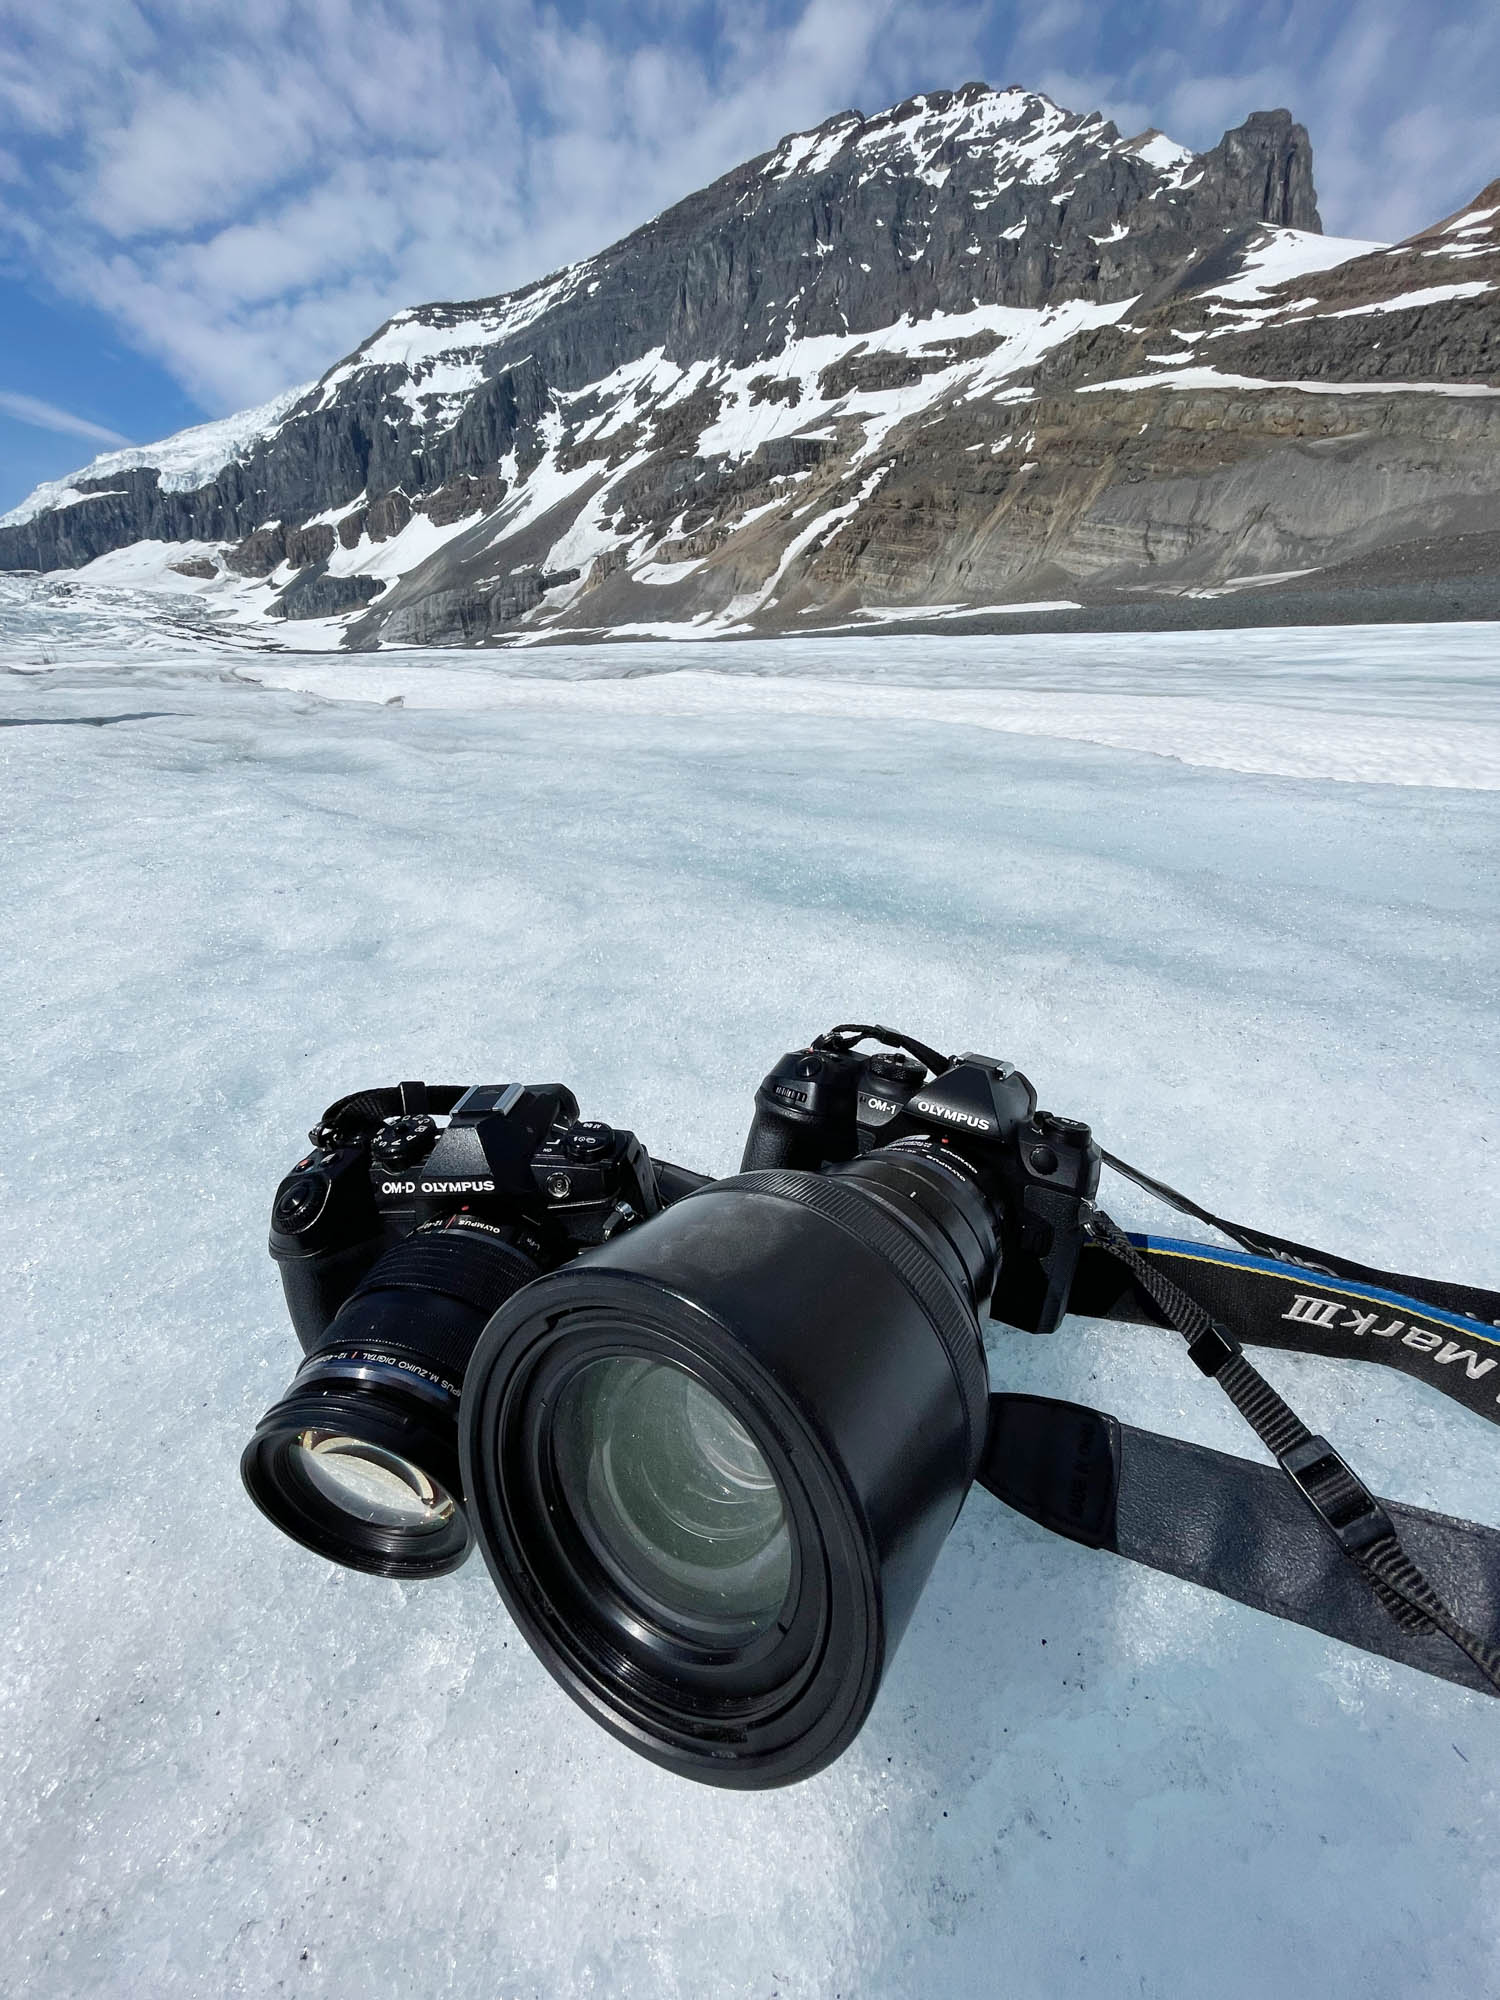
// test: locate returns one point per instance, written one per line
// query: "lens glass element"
(370, 1484)
(673, 1496)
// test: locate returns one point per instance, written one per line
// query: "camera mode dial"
(589, 1139)
(893, 1067)
(402, 1141)
(890, 1080)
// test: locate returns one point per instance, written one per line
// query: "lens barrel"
(710, 1464)
(359, 1460)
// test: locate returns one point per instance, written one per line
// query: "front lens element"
(359, 1459)
(370, 1484)
(674, 1497)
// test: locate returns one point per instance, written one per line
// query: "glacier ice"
(1259, 957)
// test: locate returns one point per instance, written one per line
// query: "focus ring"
(864, 1214)
(480, 1271)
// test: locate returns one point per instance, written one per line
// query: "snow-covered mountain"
(976, 350)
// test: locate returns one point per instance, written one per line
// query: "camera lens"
(711, 1463)
(359, 1460)
(673, 1495)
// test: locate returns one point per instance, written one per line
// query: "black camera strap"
(1232, 1526)
(1268, 1302)
(1316, 1547)
(363, 1111)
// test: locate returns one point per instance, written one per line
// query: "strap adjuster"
(1214, 1349)
(1339, 1498)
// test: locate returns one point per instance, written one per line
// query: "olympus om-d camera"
(711, 1434)
(397, 1241)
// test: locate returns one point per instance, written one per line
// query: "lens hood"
(836, 1323)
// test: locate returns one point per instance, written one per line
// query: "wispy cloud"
(248, 187)
(48, 417)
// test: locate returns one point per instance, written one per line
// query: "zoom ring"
(474, 1270)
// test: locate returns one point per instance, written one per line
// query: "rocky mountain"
(969, 354)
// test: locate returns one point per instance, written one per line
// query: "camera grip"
(804, 1112)
(781, 1142)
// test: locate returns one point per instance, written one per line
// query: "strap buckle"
(1337, 1495)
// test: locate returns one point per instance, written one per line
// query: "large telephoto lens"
(359, 1460)
(710, 1465)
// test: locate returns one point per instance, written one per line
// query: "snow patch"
(1280, 255)
(1161, 152)
(1212, 378)
(1429, 295)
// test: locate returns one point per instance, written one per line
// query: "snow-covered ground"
(1231, 896)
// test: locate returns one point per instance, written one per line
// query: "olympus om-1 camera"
(710, 1435)
(977, 1117)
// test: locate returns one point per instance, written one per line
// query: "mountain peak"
(1023, 131)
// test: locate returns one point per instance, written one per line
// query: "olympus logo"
(437, 1187)
(969, 1118)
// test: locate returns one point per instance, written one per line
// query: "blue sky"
(203, 202)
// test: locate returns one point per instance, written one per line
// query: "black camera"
(397, 1240)
(830, 1103)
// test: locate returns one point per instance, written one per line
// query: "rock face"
(972, 347)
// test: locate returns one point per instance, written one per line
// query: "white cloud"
(48, 417)
(250, 186)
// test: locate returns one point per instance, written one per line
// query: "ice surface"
(227, 1767)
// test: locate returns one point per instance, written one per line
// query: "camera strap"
(1315, 1545)
(1469, 1300)
(1232, 1526)
(1268, 1302)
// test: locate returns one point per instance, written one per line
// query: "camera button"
(299, 1204)
(589, 1140)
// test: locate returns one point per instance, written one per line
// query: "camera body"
(829, 1103)
(513, 1156)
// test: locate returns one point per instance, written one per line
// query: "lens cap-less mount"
(654, 1451)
